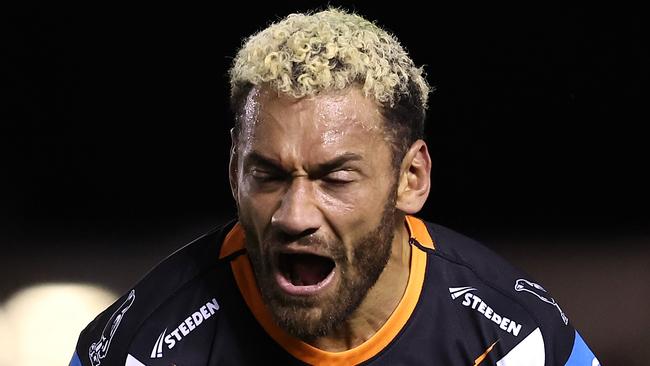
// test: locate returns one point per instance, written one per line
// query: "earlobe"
(415, 179)
(233, 165)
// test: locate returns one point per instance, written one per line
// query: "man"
(326, 264)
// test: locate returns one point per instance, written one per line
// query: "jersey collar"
(245, 279)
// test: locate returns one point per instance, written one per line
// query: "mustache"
(332, 248)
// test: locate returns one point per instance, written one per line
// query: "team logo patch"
(99, 349)
(537, 290)
(184, 328)
(471, 300)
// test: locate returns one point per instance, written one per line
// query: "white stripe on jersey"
(132, 361)
(529, 352)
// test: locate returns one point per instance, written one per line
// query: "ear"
(234, 163)
(414, 179)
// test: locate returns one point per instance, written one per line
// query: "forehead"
(326, 119)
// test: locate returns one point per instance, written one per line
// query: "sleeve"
(75, 360)
(581, 354)
(105, 340)
(554, 341)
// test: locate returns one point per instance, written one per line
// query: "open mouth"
(304, 273)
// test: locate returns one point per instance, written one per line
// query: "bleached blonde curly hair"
(306, 54)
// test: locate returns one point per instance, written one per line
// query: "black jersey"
(463, 305)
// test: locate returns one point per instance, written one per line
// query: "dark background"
(114, 140)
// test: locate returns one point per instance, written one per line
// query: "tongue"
(309, 270)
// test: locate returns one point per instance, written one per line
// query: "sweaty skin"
(294, 196)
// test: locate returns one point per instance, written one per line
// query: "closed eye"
(341, 177)
(263, 175)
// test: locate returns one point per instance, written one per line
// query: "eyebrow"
(257, 158)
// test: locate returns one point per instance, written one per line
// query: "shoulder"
(501, 299)
(475, 262)
(114, 328)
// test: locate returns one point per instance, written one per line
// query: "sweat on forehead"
(330, 113)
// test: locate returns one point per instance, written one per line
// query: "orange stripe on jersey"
(419, 232)
(233, 242)
(482, 357)
(307, 353)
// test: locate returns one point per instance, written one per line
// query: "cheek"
(256, 208)
(336, 202)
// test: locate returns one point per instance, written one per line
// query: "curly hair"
(306, 54)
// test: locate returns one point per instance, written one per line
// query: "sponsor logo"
(184, 328)
(537, 290)
(456, 292)
(99, 349)
(471, 300)
(156, 352)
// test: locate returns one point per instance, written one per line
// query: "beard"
(310, 317)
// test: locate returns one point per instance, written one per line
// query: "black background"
(114, 139)
(536, 123)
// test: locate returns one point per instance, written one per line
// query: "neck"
(380, 301)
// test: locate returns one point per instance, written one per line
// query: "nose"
(298, 214)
